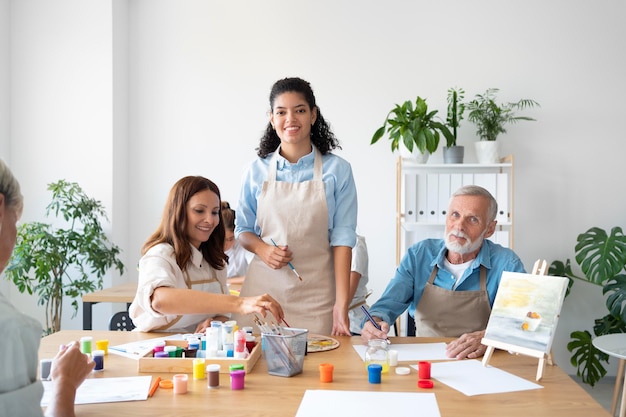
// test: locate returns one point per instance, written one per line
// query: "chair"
(121, 321)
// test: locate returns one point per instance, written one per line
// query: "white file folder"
(422, 197)
(444, 197)
(410, 197)
(432, 199)
(502, 197)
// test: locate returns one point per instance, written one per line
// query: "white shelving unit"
(423, 192)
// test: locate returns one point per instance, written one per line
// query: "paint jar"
(393, 357)
(216, 324)
(198, 369)
(103, 344)
(170, 350)
(240, 345)
(180, 383)
(423, 368)
(161, 354)
(228, 339)
(85, 344)
(158, 346)
(213, 375)
(98, 358)
(377, 353)
(237, 379)
(326, 372)
(212, 340)
(373, 373)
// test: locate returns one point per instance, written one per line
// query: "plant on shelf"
(453, 153)
(602, 260)
(67, 261)
(414, 126)
(491, 118)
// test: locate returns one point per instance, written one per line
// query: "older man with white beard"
(449, 285)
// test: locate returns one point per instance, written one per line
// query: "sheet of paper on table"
(413, 351)
(316, 403)
(106, 390)
(137, 350)
(472, 378)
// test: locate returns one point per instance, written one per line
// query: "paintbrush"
(289, 263)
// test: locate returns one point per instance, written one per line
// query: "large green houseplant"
(491, 118)
(602, 260)
(413, 126)
(67, 261)
(454, 153)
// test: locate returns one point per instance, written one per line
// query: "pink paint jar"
(180, 383)
(237, 379)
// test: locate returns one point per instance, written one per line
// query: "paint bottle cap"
(403, 370)
(425, 383)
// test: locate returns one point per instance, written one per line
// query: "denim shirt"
(406, 287)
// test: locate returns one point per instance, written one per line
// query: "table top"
(612, 344)
(123, 293)
(267, 395)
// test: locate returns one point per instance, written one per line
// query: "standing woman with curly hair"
(298, 209)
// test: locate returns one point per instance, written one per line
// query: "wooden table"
(266, 395)
(124, 293)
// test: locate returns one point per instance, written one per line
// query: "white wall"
(199, 74)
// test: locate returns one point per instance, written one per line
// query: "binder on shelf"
(410, 197)
(432, 198)
(444, 197)
(456, 182)
(502, 197)
(487, 180)
(422, 196)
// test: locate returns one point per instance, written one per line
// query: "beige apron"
(445, 313)
(295, 214)
(207, 284)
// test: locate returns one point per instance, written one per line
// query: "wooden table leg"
(619, 380)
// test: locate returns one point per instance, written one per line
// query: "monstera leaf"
(599, 255)
(586, 358)
(616, 287)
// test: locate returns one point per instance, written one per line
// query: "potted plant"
(491, 118)
(67, 261)
(413, 126)
(602, 260)
(452, 153)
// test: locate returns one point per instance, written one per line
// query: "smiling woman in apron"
(297, 213)
(182, 273)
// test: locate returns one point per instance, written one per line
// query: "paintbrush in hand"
(290, 264)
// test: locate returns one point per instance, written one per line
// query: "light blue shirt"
(339, 187)
(406, 287)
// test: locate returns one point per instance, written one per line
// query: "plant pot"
(420, 158)
(453, 154)
(487, 151)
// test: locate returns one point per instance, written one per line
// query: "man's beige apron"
(445, 313)
(295, 214)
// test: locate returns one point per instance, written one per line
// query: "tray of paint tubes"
(178, 355)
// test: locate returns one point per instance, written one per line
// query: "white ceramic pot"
(420, 158)
(487, 151)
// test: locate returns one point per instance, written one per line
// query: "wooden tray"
(185, 365)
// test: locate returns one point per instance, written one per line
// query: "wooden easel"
(540, 268)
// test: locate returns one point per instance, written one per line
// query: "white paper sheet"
(472, 378)
(106, 390)
(137, 350)
(316, 403)
(413, 351)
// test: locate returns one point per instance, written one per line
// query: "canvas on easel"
(524, 315)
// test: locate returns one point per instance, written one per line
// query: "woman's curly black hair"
(321, 135)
